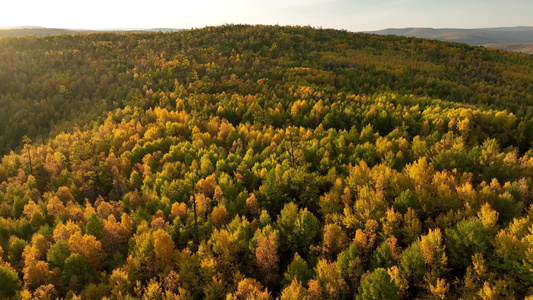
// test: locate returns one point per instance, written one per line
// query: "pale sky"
(352, 15)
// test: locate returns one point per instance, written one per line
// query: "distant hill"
(163, 29)
(39, 31)
(523, 48)
(43, 31)
(507, 38)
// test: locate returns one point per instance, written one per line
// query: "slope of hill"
(38, 31)
(522, 48)
(256, 162)
(41, 91)
(499, 37)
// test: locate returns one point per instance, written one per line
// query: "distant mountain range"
(519, 39)
(43, 31)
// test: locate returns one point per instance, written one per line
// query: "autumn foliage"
(263, 162)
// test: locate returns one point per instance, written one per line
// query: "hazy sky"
(353, 15)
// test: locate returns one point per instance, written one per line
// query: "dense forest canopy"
(48, 84)
(260, 162)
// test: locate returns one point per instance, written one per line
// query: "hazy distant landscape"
(518, 39)
(42, 31)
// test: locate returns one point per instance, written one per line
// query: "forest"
(264, 162)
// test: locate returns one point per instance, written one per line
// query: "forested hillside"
(260, 162)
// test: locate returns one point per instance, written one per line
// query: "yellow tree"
(267, 258)
(329, 281)
(335, 240)
(88, 247)
(219, 216)
(294, 291)
(113, 234)
(64, 232)
(164, 252)
(35, 271)
(249, 289)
